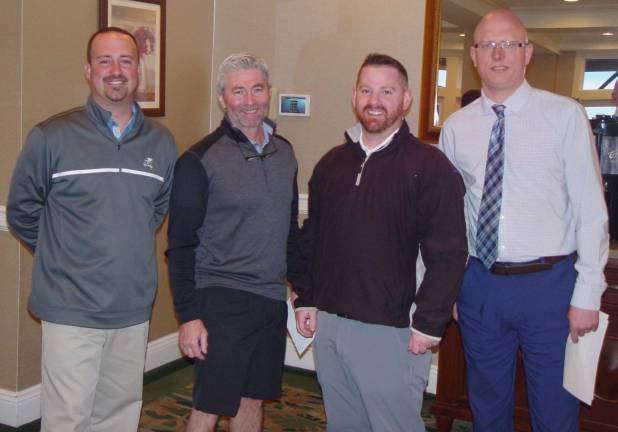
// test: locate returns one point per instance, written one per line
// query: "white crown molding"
(4, 226)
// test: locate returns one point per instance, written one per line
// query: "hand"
(419, 344)
(306, 321)
(582, 321)
(455, 314)
(193, 339)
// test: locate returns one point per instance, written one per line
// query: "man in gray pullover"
(89, 190)
(233, 214)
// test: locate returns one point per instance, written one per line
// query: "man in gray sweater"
(89, 190)
(233, 215)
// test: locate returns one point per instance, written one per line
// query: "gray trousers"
(370, 382)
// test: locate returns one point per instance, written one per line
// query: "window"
(600, 74)
(442, 72)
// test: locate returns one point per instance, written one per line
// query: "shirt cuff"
(311, 308)
(587, 296)
(433, 338)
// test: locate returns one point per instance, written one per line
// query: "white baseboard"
(19, 408)
(4, 226)
(162, 351)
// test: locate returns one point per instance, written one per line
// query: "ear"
(221, 101)
(473, 53)
(354, 97)
(87, 71)
(529, 50)
(407, 100)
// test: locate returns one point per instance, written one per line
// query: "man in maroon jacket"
(373, 203)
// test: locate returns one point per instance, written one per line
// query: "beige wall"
(541, 72)
(313, 47)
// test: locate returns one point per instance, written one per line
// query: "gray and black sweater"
(233, 216)
(88, 206)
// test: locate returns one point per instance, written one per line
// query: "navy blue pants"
(497, 316)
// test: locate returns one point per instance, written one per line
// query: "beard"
(113, 91)
(379, 123)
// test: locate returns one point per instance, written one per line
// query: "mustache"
(374, 107)
(110, 78)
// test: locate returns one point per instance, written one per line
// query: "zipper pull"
(360, 173)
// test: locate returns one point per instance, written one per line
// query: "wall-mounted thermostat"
(294, 105)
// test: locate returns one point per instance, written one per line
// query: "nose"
(497, 52)
(249, 98)
(115, 69)
(373, 98)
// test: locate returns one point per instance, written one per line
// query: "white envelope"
(581, 361)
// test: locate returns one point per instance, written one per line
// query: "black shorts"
(246, 350)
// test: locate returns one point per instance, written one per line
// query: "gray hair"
(237, 62)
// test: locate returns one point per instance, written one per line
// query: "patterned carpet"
(300, 409)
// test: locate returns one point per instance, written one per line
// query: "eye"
(238, 92)
(127, 62)
(104, 61)
(258, 90)
(387, 92)
(365, 91)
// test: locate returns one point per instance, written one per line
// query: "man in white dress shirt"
(529, 165)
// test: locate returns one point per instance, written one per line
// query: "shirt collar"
(382, 145)
(355, 133)
(268, 132)
(514, 103)
(115, 129)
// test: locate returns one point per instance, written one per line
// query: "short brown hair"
(110, 30)
(377, 59)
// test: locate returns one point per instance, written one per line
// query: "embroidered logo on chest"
(148, 163)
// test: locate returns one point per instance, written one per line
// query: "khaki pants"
(92, 378)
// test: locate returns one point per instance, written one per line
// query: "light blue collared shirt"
(268, 131)
(115, 129)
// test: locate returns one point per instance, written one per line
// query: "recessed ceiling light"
(570, 1)
(607, 34)
(462, 34)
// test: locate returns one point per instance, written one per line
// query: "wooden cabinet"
(452, 402)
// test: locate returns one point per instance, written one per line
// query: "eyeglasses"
(505, 44)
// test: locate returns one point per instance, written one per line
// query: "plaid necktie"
(489, 213)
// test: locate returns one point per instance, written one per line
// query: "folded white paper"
(300, 342)
(581, 361)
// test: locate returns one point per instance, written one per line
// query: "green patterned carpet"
(300, 408)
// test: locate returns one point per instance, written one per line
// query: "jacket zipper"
(360, 172)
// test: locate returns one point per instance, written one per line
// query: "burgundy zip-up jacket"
(367, 221)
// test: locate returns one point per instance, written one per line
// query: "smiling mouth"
(374, 112)
(115, 81)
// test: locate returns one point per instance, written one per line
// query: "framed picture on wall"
(144, 19)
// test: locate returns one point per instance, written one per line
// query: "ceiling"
(553, 25)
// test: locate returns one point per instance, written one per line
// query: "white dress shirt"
(552, 194)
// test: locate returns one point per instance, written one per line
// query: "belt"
(517, 268)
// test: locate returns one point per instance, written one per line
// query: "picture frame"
(144, 19)
(294, 105)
